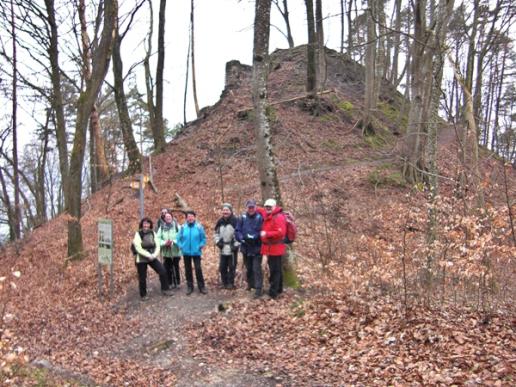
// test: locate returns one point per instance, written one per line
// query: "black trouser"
(276, 275)
(253, 263)
(227, 266)
(142, 275)
(198, 271)
(172, 268)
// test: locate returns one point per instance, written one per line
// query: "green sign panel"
(105, 241)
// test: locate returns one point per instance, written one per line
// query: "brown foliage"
(348, 325)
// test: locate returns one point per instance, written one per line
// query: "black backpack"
(133, 249)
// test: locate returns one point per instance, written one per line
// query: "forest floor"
(164, 343)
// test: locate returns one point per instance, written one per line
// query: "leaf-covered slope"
(353, 211)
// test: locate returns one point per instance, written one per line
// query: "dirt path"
(164, 344)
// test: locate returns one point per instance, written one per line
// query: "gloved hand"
(220, 243)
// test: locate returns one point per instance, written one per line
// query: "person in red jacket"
(273, 233)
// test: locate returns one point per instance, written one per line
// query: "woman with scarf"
(171, 254)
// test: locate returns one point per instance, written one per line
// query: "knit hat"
(227, 205)
(250, 203)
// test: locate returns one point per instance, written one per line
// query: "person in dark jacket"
(248, 234)
(147, 249)
(228, 245)
(272, 235)
(191, 240)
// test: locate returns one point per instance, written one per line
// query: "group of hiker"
(258, 232)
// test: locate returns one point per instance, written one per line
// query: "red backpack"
(291, 234)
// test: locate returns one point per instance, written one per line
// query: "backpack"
(291, 233)
(133, 249)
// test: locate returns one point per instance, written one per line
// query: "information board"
(105, 250)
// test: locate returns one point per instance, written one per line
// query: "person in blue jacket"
(247, 233)
(191, 240)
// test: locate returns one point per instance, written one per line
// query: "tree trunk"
(321, 53)
(350, 29)
(437, 50)
(100, 61)
(158, 130)
(192, 42)
(149, 83)
(126, 126)
(382, 58)
(185, 94)
(40, 197)
(499, 92)
(8, 207)
(286, 18)
(370, 71)
(264, 153)
(16, 219)
(57, 96)
(470, 58)
(99, 166)
(413, 165)
(396, 41)
(311, 78)
(470, 151)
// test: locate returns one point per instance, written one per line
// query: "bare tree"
(155, 108)
(470, 144)
(321, 52)
(6, 201)
(283, 10)
(370, 96)
(16, 180)
(157, 125)
(72, 177)
(311, 70)
(350, 29)
(192, 53)
(264, 154)
(126, 126)
(99, 167)
(425, 48)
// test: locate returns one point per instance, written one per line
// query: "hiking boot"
(203, 291)
(145, 298)
(167, 293)
(257, 294)
(189, 291)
